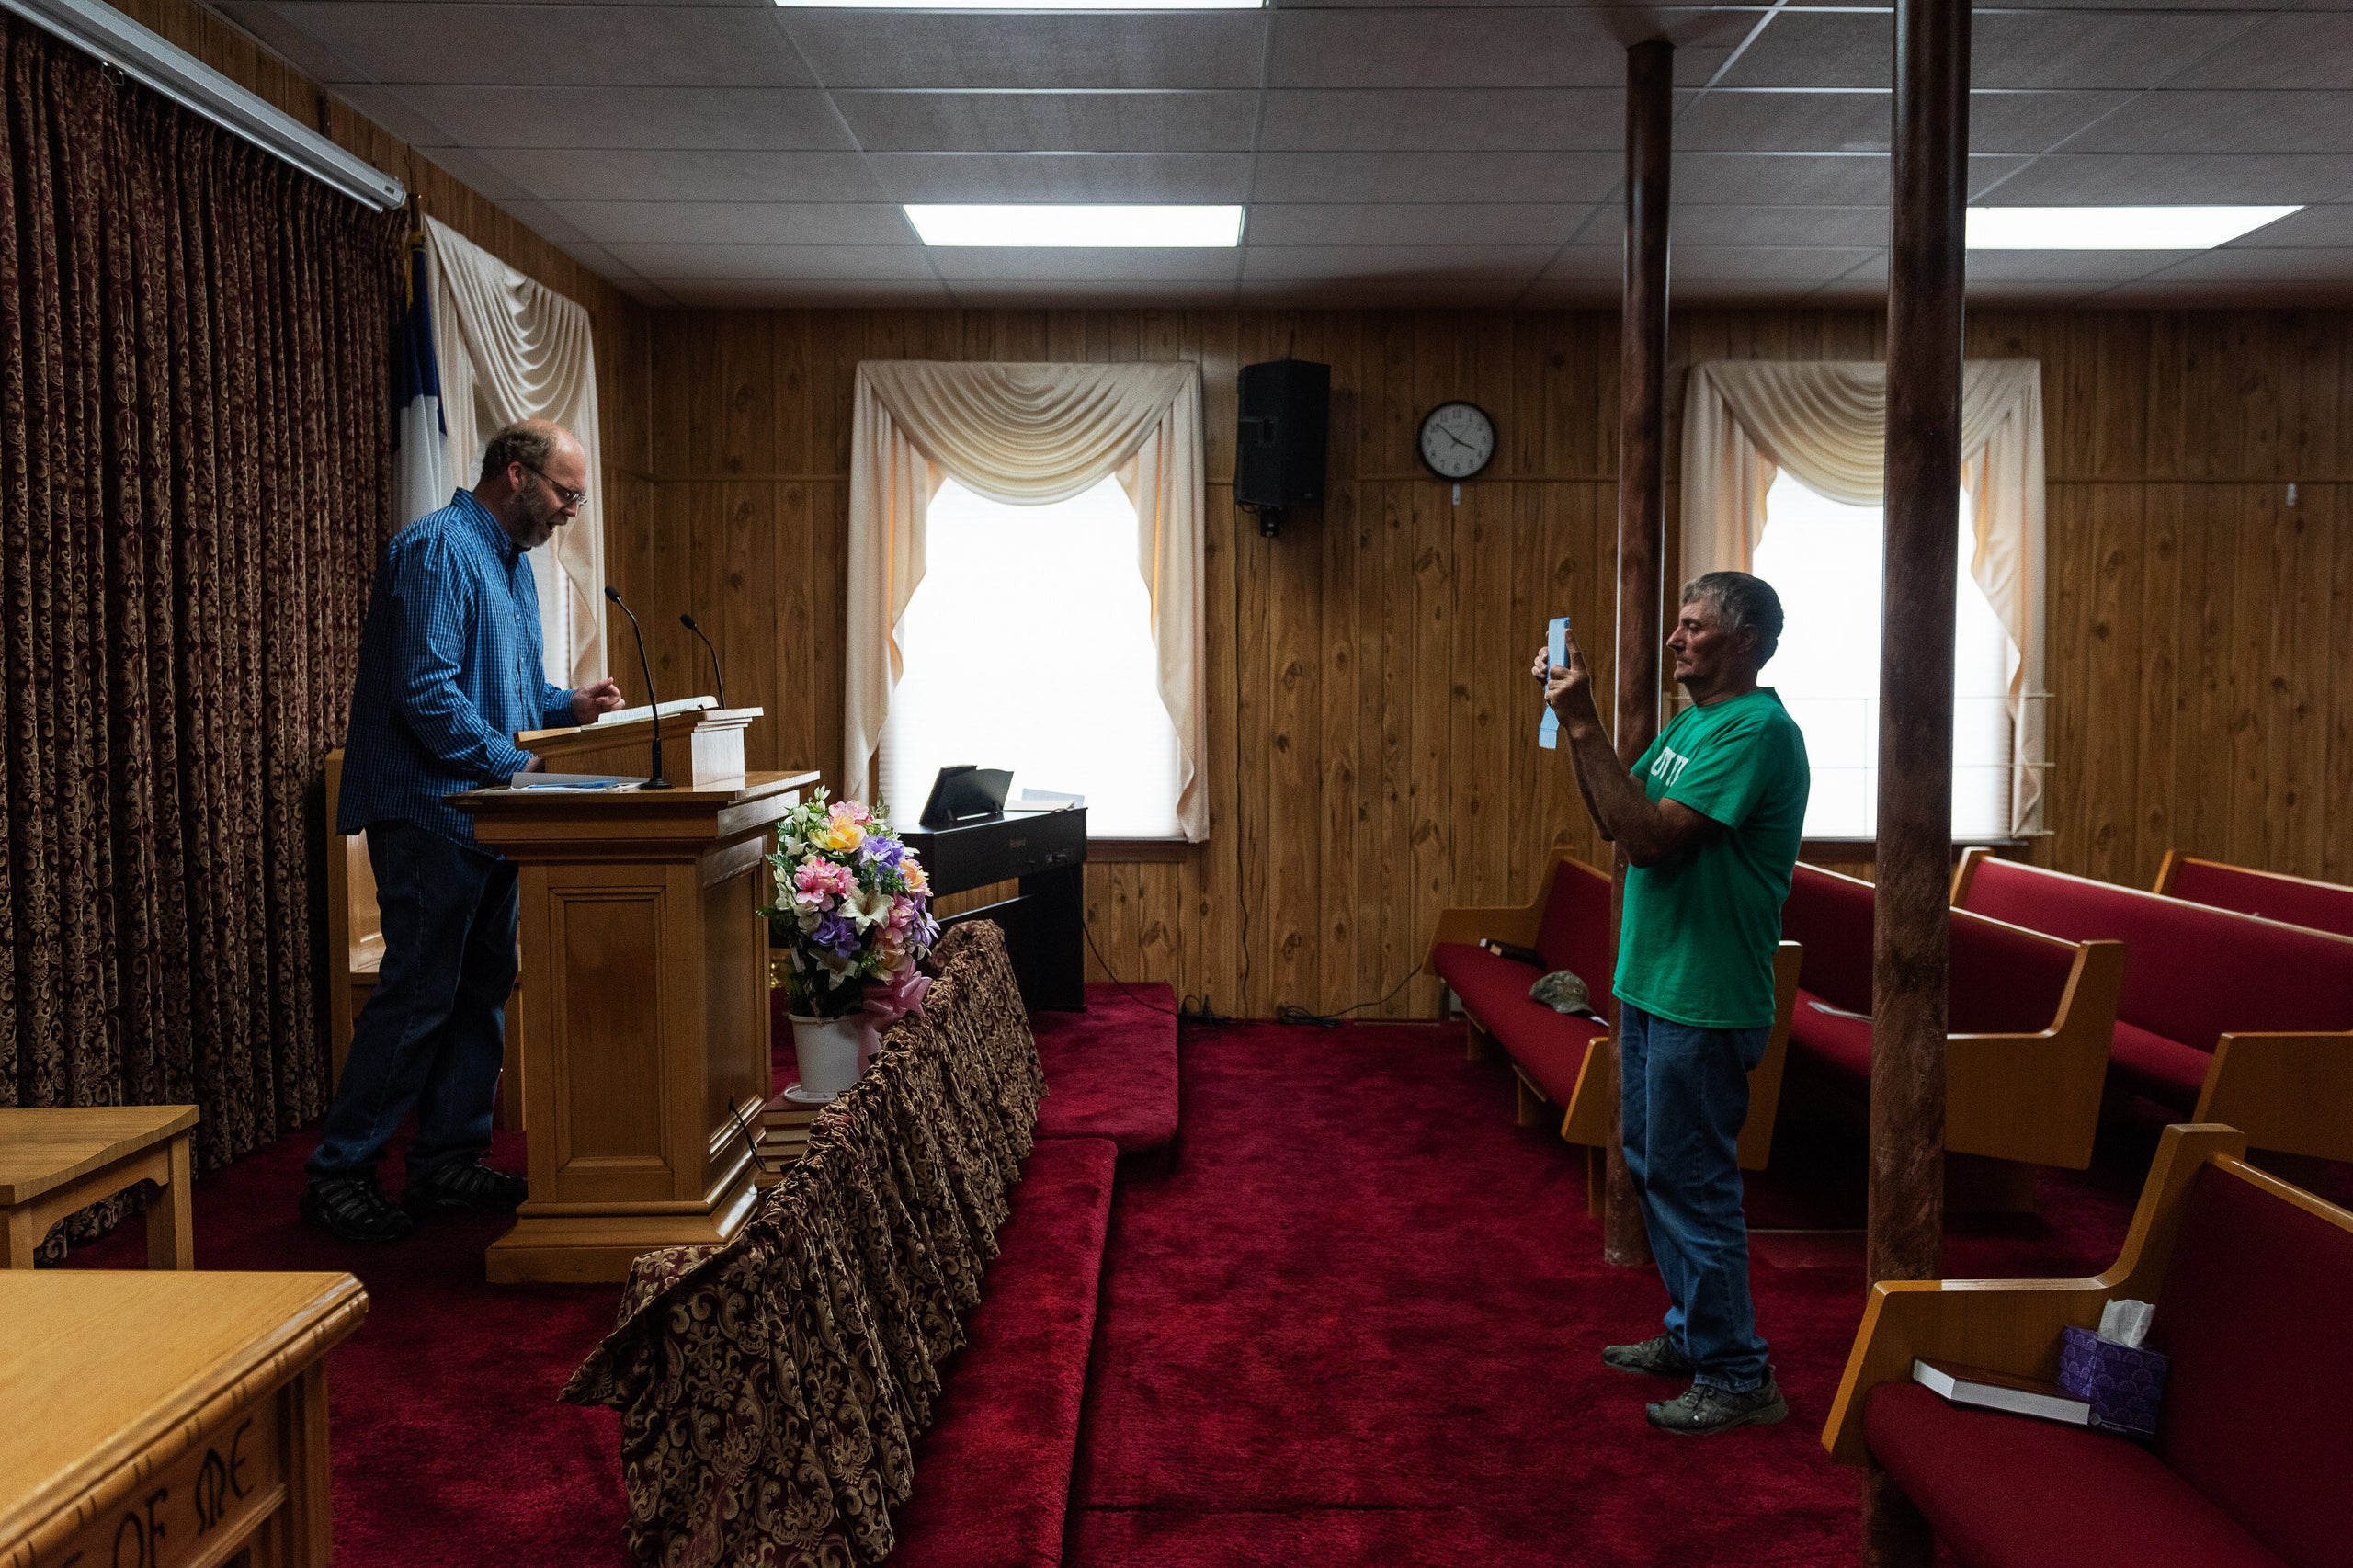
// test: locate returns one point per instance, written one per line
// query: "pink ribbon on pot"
(885, 1006)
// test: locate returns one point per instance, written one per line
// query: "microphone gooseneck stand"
(645, 666)
(717, 679)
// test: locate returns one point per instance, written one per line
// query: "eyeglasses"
(571, 500)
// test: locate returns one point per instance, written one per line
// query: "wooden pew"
(2250, 1279)
(356, 950)
(2222, 1016)
(168, 1419)
(2292, 900)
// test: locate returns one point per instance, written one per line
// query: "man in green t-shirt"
(1710, 820)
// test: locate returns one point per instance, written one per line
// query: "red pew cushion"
(1841, 1044)
(2256, 1311)
(2166, 1071)
(1549, 1046)
(1575, 933)
(2190, 973)
(2323, 907)
(2011, 1492)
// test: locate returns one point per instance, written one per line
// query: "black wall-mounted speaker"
(1279, 449)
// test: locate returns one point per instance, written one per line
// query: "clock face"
(1458, 439)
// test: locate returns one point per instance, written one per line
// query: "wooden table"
(54, 1163)
(167, 1420)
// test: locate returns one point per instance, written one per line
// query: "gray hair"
(531, 442)
(1742, 603)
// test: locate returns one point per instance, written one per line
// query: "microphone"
(646, 664)
(717, 679)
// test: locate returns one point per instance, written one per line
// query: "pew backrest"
(2294, 901)
(2003, 979)
(2191, 974)
(2256, 1312)
(1574, 931)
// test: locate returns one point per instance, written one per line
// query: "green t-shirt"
(1700, 929)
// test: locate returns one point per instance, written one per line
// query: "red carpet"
(1357, 1324)
(993, 1474)
(1111, 1071)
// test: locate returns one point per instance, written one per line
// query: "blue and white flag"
(421, 480)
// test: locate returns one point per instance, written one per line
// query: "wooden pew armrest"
(2292, 1093)
(1516, 925)
(2012, 1325)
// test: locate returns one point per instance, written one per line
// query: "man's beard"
(538, 519)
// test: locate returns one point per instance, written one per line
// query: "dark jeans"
(1683, 1095)
(434, 1035)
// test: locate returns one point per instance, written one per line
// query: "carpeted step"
(993, 1476)
(1111, 1071)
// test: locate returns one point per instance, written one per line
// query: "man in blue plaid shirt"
(451, 667)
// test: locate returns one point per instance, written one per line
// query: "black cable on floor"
(1291, 1014)
(1186, 1008)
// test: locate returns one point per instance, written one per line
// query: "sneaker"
(1703, 1410)
(353, 1208)
(1660, 1358)
(465, 1185)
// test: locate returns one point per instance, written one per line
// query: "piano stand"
(1045, 922)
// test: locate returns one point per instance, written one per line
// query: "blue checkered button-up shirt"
(451, 667)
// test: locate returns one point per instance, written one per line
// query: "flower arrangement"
(852, 907)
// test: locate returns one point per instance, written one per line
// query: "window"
(1824, 558)
(1028, 646)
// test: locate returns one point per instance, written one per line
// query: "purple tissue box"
(2125, 1385)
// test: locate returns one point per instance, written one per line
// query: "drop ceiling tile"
(1275, 224)
(1568, 294)
(2283, 122)
(2083, 266)
(1161, 294)
(595, 257)
(1515, 119)
(1051, 122)
(390, 108)
(2007, 48)
(312, 57)
(1860, 121)
(1763, 264)
(737, 222)
(1437, 176)
(1590, 264)
(1377, 294)
(1096, 176)
(834, 263)
(752, 118)
(1516, 47)
(651, 295)
(1053, 49)
(2314, 227)
(2266, 265)
(547, 222)
(1084, 264)
(2244, 278)
(556, 46)
(1475, 263)
(479, 173)
(607, 175)
(1841, 226)
(2126, 179)
(750, 293)
(2310, 49)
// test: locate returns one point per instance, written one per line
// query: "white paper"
(683, 705)
(2126, 1322)
(578, 782)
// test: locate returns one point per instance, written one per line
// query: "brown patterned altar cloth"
(771, 1390)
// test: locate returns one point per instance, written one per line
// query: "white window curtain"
(512, 349)
(1026, 435)
(1825, 422)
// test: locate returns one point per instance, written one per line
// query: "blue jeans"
(434, 1036)
(1682, 1096)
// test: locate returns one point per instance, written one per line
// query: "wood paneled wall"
(1372, 726)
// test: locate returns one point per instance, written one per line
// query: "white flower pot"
(828, 1051)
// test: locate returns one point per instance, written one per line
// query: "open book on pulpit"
(702, 744)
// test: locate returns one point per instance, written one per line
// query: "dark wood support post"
(1642, 506)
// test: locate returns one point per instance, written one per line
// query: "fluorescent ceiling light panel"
(2115, 228)
(1026, 5)
(1062, 224)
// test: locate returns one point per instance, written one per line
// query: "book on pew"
(1513, 952)
(2000, 1390)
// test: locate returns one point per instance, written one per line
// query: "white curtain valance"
(1826, 422)
(1028, 435)
(512, 349)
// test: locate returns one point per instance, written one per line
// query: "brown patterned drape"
(771, 1390)
(195, 471)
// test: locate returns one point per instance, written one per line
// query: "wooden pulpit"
(645, 1017)
(701, 746)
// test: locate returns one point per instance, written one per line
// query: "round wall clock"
(1458, 439)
